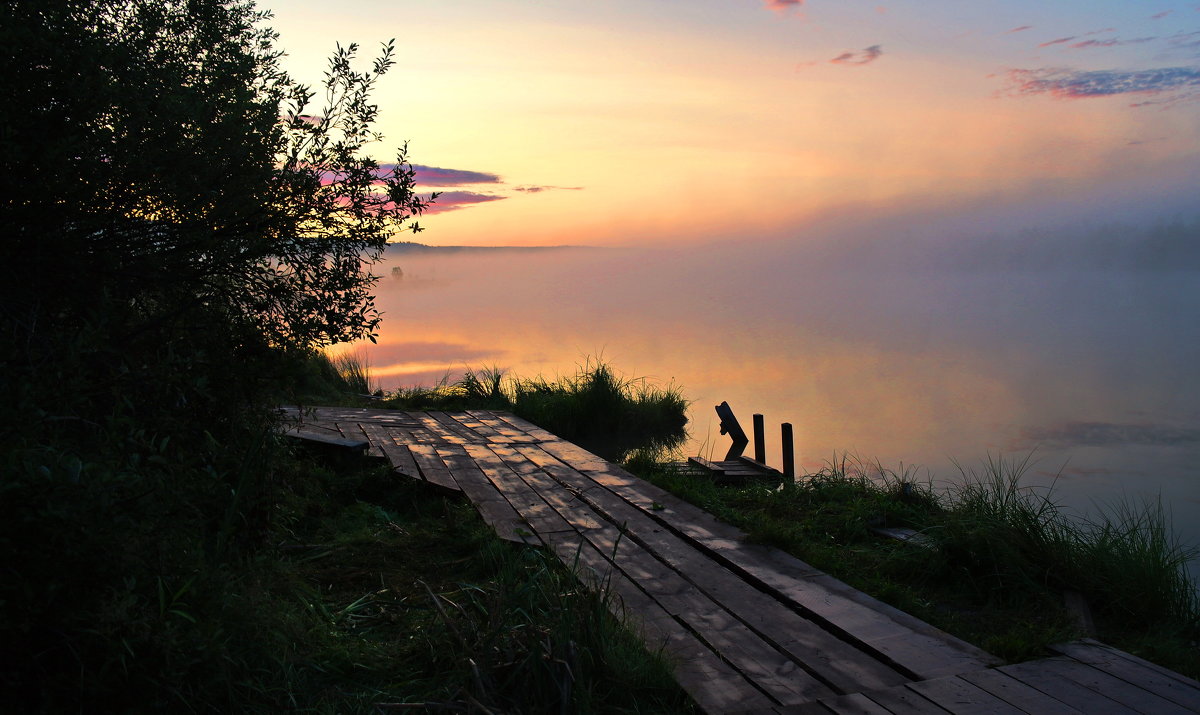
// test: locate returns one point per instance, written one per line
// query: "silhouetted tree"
(156, 158)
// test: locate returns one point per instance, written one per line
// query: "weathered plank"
(429, 424)
(333, 438)
(432, 468)
(715, 469)
(1168, 684)
(1018, 694)
(1037, 676)
(839, 664)
(913, 645)
(354, 431)
(532, 507)
(526, 426)
(1131, 696)
(961, 697)
(474, 424)
(491, 504)
(711, 682)
(902, 701)
(508, 431)
(775, 673)
(458, 428)
(398, 455)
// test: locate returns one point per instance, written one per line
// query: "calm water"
(1093, 369)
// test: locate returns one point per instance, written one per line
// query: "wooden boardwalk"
(748, 628)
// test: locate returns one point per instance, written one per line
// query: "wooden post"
(730, 426)
(760, 441)
(789, 452)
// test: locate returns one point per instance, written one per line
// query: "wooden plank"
(776, 674)
(712, 683)
(435, 428)
(506, 430)
(472, 423)
(334, 439)
(1131, 696)
(1037, 676)
(398, 455)
(1176, 687)
(1020, 695)
(840, 664)
(854, 704)
(959, 696)
(534, 509)
(702, 463)
(458, 428)
(902, 701)
(487, 500)
(573, 509)
(915, 646)
(353, 431)
(432, 468)
(527, 427)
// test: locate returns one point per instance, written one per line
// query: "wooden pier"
(747, 628)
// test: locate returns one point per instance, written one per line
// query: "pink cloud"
(437, 176)
(783, 5)
(455, 200)
(1022, 28)
(1059, 41)
(862, 57)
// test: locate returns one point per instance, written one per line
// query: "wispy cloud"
(437, 176)
(861, 57)
(454, 200)
(539, 189)
(1022, 28)
(1161, 15)
(1059, 41)
(1174, 82)
(783, 5)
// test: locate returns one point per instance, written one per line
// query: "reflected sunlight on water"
(1093, 368)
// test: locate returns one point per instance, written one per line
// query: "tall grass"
(1006, 538)
(603, 412)
(995, 560)
(594, 407)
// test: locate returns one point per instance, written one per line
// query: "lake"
(922, 359)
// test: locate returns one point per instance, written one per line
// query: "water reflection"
(920, 364)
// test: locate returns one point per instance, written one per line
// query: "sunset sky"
(623, 121)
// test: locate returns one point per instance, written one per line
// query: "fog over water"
(1077, 342)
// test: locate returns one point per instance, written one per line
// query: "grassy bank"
(993, 560)
(595, 407)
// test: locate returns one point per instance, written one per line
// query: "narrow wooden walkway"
(748, 628)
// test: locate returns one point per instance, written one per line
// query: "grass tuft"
(995, 560)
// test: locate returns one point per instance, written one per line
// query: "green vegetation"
(609, 415)
(183, 233)
(992, 561)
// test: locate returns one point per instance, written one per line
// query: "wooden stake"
(760, 441)
(789, 452)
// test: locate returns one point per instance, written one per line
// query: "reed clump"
(993, 558)
(595, 407)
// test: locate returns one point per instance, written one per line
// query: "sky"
(630, 122)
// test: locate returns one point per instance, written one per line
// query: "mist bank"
(411, 248)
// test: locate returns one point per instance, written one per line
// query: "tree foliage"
(178, 218)
(159, 157)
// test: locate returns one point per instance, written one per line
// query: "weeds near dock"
(994, 560)
(595, 407)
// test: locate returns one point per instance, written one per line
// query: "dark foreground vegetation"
(182, 234)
